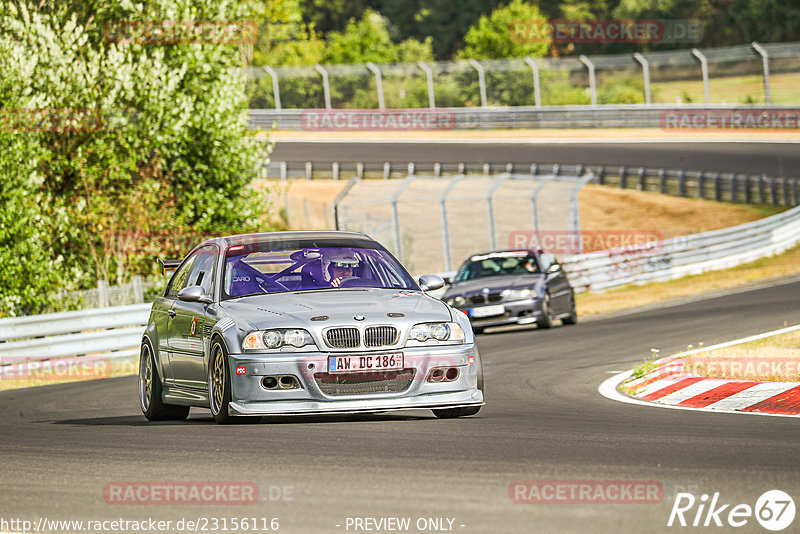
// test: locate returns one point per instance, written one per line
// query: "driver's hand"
(336, 282)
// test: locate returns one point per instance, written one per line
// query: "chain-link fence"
(432, 224)
(137, 291)
(745, 74)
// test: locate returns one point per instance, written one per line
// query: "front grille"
(380, 336)
(495, 297)
(343, 338)
(364, 383)
(477, 299)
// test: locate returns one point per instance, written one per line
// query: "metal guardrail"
(68, 338)
(680, 256)
(546, 117)
(704, 184)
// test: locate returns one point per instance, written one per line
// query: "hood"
(494, 284)
(295, 309)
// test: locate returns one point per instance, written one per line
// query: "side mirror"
(429, 282)
(194, 294)
(555, 268)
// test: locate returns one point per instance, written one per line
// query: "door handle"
(172, 313)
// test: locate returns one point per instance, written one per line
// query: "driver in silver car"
(338, 265)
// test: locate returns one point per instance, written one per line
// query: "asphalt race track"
(773, 159)
(544, 421)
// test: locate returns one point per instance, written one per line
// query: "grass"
(772, 359)
(633, 296)
(730, 90)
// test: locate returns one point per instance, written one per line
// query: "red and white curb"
(669, 386)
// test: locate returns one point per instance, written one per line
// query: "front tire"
(219, 387)
(546, 320)
(150, 389)
(572, 318)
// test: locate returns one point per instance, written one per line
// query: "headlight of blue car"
(450, 333)
(275, 339)
(518, 294)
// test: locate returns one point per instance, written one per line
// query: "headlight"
(450, 332)
(275, 339)
(518, 294)
(456, 301)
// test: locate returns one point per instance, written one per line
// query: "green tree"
(163, 146)
(506, 33)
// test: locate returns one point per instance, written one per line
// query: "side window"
(202, 271)
(181, 278)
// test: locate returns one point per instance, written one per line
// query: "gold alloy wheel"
(217, 379)
(145, 377)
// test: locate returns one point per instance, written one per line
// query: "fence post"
(785, 192)
(429, 75)
(682, 183)
(102, 294)
(574, 211)
(378, 82)
(275, 90)
(490, 208)
(774, 191)
(309, 170)
(338, 200)
(138, 290)
(535, 207)
(448, 264)
(704, 66)
(796, 193)
(623, 178)
(437, 170)
(642, 184)
(645, 74)
(326, 88)
(487, 169)
(733, 183)
(387, 170)
(398, 242)
(662, 181)
(335, 170)
(762, 199)
(765, 62)
(556, 169)
(601, 175)
(534, 169)
(360, 170)
(481, 80)
(537, 92)
(747, 186)
(592, 85)
(701, 184)
(717, 188)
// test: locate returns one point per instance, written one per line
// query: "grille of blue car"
(343, 338)
(380, 336)
(364, 383)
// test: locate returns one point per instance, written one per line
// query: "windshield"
(498, 264)
(267, 270)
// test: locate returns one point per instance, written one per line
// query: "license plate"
(487, 311)
(362, 363)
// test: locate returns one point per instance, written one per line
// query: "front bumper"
(526, 311)
(250, 397)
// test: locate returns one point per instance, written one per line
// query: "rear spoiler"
(168, 265)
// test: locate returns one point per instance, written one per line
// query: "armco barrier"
(680, 256)
(67, 337)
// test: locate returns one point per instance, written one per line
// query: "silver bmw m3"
(292, 323)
